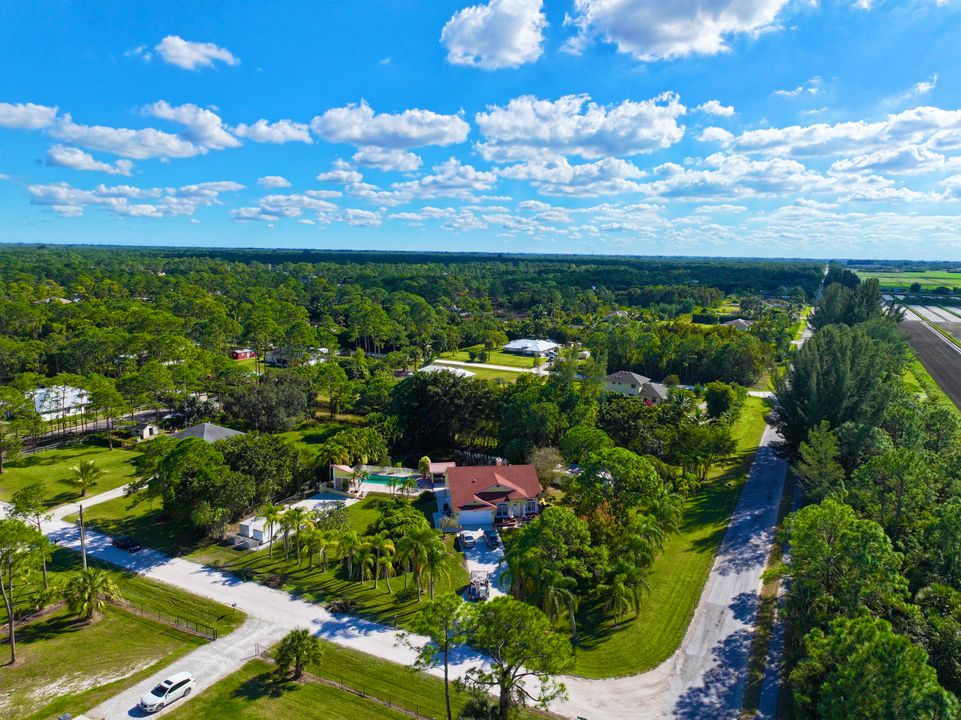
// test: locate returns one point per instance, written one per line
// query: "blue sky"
(717, 127)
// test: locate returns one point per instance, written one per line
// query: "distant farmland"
(928, 279)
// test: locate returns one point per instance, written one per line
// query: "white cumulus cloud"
(77, 159)
(191, 55)
(282, 131)
(500, 34)
(387, 159)
(663, 29)
(273, 181)
(26, 116)
(357, 124)
(136, 144)
(528, 128)
(714, 107)
(202, 126)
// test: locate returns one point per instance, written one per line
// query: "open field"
(678, 574)
(494, 357)
(939, 356)
(52, 468)
(929, 279)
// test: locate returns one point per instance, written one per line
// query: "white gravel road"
(703, 679)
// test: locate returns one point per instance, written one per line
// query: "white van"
(173, 688)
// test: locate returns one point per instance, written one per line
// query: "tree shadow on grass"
(264, 685)
(56, 626)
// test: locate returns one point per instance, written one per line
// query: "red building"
(243, 354)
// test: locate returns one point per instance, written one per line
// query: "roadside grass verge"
(918, 380)
(677, 575)
(391, 690)
(253, 693)
(52, 468)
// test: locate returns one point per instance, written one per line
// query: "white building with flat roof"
(534, 348)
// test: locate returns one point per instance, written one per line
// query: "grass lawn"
(494, 357)
(904, 280)
(678, 574)
(52, 468)
(488, 374)
(65, 665)
(69, 666)
(252, 693)
(144, 520)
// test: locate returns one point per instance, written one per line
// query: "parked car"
(491, 538)
(466, 540)
(127, 543)
(173, 688)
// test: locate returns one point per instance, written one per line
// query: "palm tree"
(297, 650)
(383, 545)
(287, 524)
(392, 484)
(313, 539)
(435, 561)
(365, 561)
(619, 597)
(408, 484)
(557, 597)
(87, 592)
(329, 540)
(386, 567)
(357, 477)
(412, 549)
(300, 519)
(349, 545)
(271, 515)
(85, 476)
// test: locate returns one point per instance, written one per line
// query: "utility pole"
(83, 540)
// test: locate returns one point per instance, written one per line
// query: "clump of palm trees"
(415, 551)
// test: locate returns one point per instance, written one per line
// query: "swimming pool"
(386, 479)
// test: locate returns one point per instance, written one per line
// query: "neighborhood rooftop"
(208, 432)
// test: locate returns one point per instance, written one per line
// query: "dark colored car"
(490, 537)
(126, 543)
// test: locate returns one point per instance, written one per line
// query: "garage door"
(475, 517)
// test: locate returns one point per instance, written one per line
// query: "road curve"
(706, 676)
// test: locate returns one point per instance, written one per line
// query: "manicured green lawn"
(145, 593)
(678, 574)
(488, 374)
(65, 665)
(252, 693)
(141, 518)
(313, 584)
(927, 279)
(494, 357)
(53, 469)
(145, 521)
(310, 435)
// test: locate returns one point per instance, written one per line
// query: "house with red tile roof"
(483, 494)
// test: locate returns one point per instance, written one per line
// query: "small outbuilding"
(532, 348)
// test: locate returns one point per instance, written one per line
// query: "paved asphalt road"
(705, 677)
